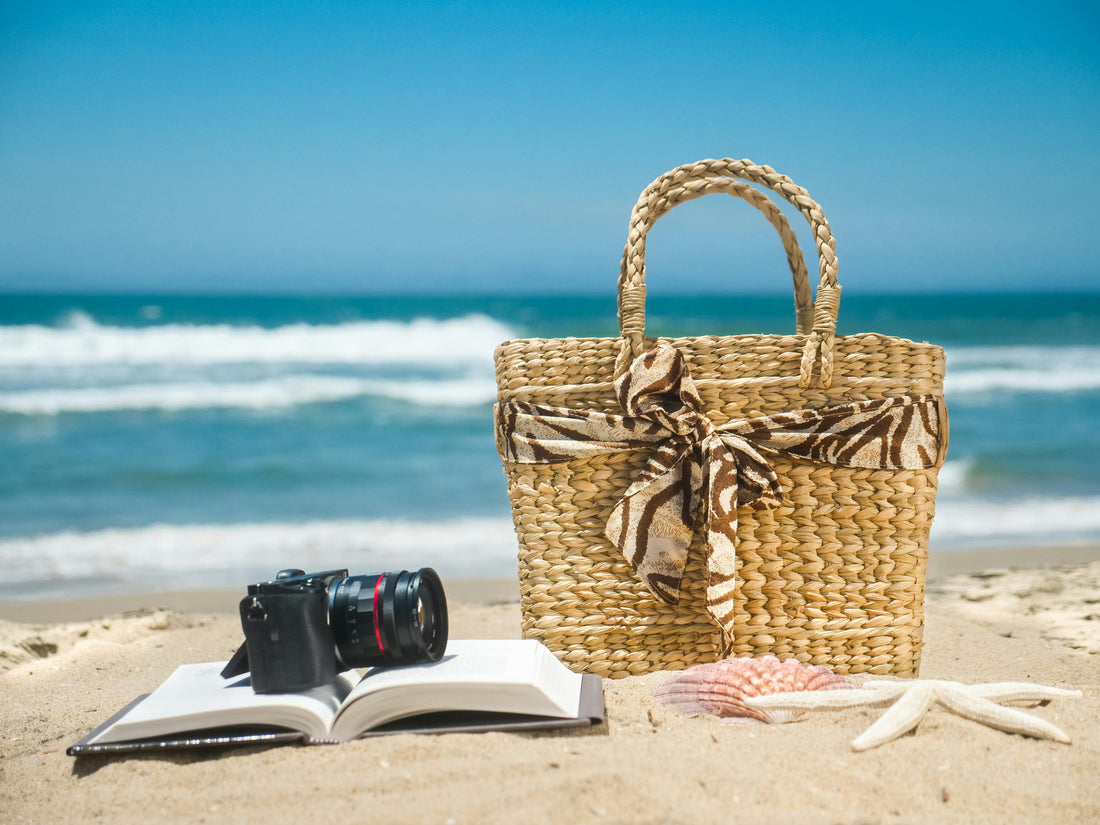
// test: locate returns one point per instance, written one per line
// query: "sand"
(62, 674)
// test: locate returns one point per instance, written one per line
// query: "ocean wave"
(953, 475)
(1010, 355)
(205, 555)
(265, 394)
(1055, 379)
(973, 370)
(81, 341)
(1039, 521)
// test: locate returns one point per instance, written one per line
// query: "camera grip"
(288, 642)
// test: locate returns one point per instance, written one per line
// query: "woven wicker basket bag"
(833, 575)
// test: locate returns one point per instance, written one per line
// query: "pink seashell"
(718, 688)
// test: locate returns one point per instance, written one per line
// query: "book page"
(508, 676)
(196, 697)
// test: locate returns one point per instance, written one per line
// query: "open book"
(477, 685)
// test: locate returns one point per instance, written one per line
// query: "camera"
(300, 626)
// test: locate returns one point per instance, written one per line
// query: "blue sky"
(363, 146)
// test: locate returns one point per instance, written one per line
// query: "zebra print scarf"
(697, 475)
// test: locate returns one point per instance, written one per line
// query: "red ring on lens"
(377, 616)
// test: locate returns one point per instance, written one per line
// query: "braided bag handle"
(681, 184)
(803, 297)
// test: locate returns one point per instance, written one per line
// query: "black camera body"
(299, 627)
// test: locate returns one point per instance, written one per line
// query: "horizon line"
(518, 293)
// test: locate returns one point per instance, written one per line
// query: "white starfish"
(914, 698)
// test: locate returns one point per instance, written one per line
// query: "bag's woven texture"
(833, 575)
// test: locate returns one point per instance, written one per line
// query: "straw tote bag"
(678, 500)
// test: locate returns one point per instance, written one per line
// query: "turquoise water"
(205, 441)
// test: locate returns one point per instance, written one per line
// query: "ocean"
(167, 442)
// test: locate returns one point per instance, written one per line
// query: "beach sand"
(67, 667)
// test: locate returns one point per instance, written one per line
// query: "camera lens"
(390, 618)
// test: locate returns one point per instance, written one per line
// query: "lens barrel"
(389, 618)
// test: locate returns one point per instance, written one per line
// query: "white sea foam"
(972, 370)
(1021, 356)
(952, 475)
(271, 393)
(171, 556)
(1056, 379)
(965, 521)
(466, 340)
